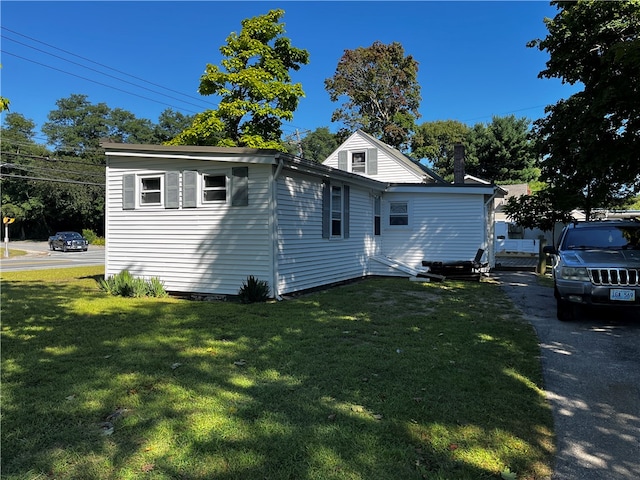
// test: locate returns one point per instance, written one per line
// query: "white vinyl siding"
(443, 227)
(305, 258)
(211, 248)
(387, 169)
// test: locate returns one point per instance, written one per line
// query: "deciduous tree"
(381, 91)
(254, 86)
(434, 141)
(319, 144)
(591, 140)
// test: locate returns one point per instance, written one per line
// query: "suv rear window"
(609, 237)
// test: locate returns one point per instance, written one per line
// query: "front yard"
(380, 379)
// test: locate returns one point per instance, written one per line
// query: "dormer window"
(358, 162)
(363, 162)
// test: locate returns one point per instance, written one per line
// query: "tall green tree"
(502, 151)
(381, 93)
(319, 144)
(22, 160)
(591, 140)
(254, 85)
(434, 141)
(170, 125)
(76, 126)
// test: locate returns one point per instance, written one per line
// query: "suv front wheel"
(565, 310)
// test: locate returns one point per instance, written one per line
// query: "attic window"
(358, 162)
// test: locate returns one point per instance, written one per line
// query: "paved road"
(39, 257)
(592, 379)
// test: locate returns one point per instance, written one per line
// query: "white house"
(424, 217)
(203, 219)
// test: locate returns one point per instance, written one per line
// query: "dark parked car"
(68, 241)
(596, 263)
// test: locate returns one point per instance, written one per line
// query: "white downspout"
(491, 247)
(274, 226)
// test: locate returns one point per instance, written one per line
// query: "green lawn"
(380, 379)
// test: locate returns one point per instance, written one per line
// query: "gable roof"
(402, 158)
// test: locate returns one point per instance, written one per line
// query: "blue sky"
(473, 59)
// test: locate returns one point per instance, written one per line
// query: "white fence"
(524, 245)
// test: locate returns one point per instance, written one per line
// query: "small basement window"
(151, 190)
(214, 188)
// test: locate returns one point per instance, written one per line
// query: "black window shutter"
(342, 160)
(372, 161)
(345, 216)
(171, 190)
(190, 189)
(240, 186)
(128, 191)
(326, 209)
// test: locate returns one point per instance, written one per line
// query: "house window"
(151, 190)
(336, 211)
(376, 215)
(398, 213)
(358, 162)
(214, 188)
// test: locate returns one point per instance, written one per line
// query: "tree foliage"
(434, 141)
(381, 89)
(63, 188)
(319, 144)
(502, 151)
(254, 85)
(539, 210)
(591, 140)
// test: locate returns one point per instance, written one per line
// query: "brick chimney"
(458, 163)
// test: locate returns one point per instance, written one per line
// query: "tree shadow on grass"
(320, 387)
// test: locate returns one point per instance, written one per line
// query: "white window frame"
(377, 216)
(141, 191)
(352, 157)
(337, 214)
(399, 214)
(203, 188)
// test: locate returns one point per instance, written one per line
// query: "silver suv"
(596, 263)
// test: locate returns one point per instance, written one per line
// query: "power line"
(32, 168)
(51, 180)
(95, 81)
(102, 73)
(53, 159)
(291, 126)
(100, 64)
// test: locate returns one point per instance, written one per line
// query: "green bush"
(254, 290)
(93, 238)
(126, 285)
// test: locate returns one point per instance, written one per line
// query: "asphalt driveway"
(592, 380)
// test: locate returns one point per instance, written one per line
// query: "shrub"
(155, 288)
(254, 290)
(92, 237)
(126, 285)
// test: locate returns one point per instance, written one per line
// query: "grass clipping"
(384, 379)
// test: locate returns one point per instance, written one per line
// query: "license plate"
(622, 295)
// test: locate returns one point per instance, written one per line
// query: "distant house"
(203, 219)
